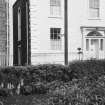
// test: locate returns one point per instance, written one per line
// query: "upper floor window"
(55, 38)
(94, 8)
(55, 8)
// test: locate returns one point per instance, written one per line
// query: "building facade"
(4, 33)
(39, 31)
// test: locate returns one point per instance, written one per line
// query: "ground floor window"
(55, 38)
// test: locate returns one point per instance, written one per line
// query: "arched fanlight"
(94, 33)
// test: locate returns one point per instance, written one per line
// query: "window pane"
(55, 7)
(87, 44)
(101, 44)
(94, 13)
(58, 3)
(19, 24)
(58, 30)
(91, 3)
(55, 35)
(96, 4)
(51, 36)
(51, 10)
(92, 41)
(51, 30)
(55, 2)
(94, 8)
(55, 30)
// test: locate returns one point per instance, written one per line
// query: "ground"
(24, 100)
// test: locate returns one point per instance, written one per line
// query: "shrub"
(50, 72)
(32, 75)
(90, 68)
(4, 92)
(80, 92)
(26, 90)
(41, 79)
(39, 88)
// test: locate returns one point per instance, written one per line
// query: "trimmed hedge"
(89, 68)
(31, 79)
(40, 79)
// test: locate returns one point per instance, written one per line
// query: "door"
(94, 48)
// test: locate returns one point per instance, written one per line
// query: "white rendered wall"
(41, 21)
(79, 16)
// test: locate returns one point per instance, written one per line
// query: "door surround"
(95, 44)
(97, 34)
